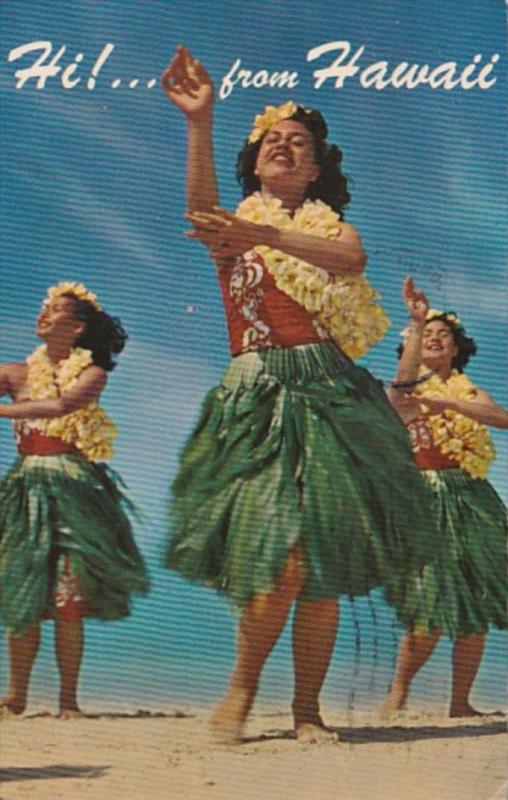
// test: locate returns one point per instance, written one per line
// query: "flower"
(79, 290)
(450, 316)
(466, 440)
(344, 305)
(270, 116)
(431, 314)
(89, 429)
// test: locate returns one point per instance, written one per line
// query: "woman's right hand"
(415, 300)
(188, 85)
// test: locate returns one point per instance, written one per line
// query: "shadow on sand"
(53, 771)
(394, 734)
(140, 714)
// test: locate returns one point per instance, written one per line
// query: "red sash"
(36, 443)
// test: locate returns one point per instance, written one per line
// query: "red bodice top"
(258, 313)
(427, 453)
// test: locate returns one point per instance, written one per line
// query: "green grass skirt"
(64, 505)
(298, 445)
(463, 590)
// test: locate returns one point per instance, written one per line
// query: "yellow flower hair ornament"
(79, 290)
(450, 316)
(270, 116)
(434, 313)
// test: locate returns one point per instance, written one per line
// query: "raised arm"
(411, 358)
(227, 235)
(188, 85)
(87, 388)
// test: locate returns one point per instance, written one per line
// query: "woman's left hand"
(224, 233)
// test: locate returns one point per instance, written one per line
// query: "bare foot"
(391, 707)
(309, 727)
(71, 713)
(315, 733)
(468, 711)
(10, 707)
(9, 712)
(229, 717)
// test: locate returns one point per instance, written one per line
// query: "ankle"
(14, 703)
(244, 684)
(68, 702)
(305, 711)
(398, 695)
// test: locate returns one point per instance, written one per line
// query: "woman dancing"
(283, 493)
(463, 591)
(66, 546)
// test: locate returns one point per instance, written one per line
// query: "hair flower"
(451, 316)
(79, 290)
(433, 313)
(270, 116)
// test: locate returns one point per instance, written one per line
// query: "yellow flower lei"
(464, 439)
(345, 305)
(89, 429)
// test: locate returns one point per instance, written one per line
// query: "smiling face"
(439, 348)
(286, 158)
(56, 322)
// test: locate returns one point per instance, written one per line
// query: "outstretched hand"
(187, 84)
(415, 300)
(225, 234)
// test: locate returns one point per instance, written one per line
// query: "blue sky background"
(92, 189)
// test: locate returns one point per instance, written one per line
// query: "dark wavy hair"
(103, 335)
(466, 346)
(330, 186)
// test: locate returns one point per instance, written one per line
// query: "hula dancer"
(283, 493)
(463, 591)
(66, 546)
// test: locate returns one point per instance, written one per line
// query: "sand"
(166, 756)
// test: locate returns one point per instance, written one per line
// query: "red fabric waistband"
(36, 443)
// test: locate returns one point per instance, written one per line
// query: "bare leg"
(69, 641)
(314, 634)
(467, 654)
(260, 626)
(415, 649)
(22, 652)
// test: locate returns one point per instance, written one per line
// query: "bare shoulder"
(348, 231)
(95, 374)
(90, 383)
